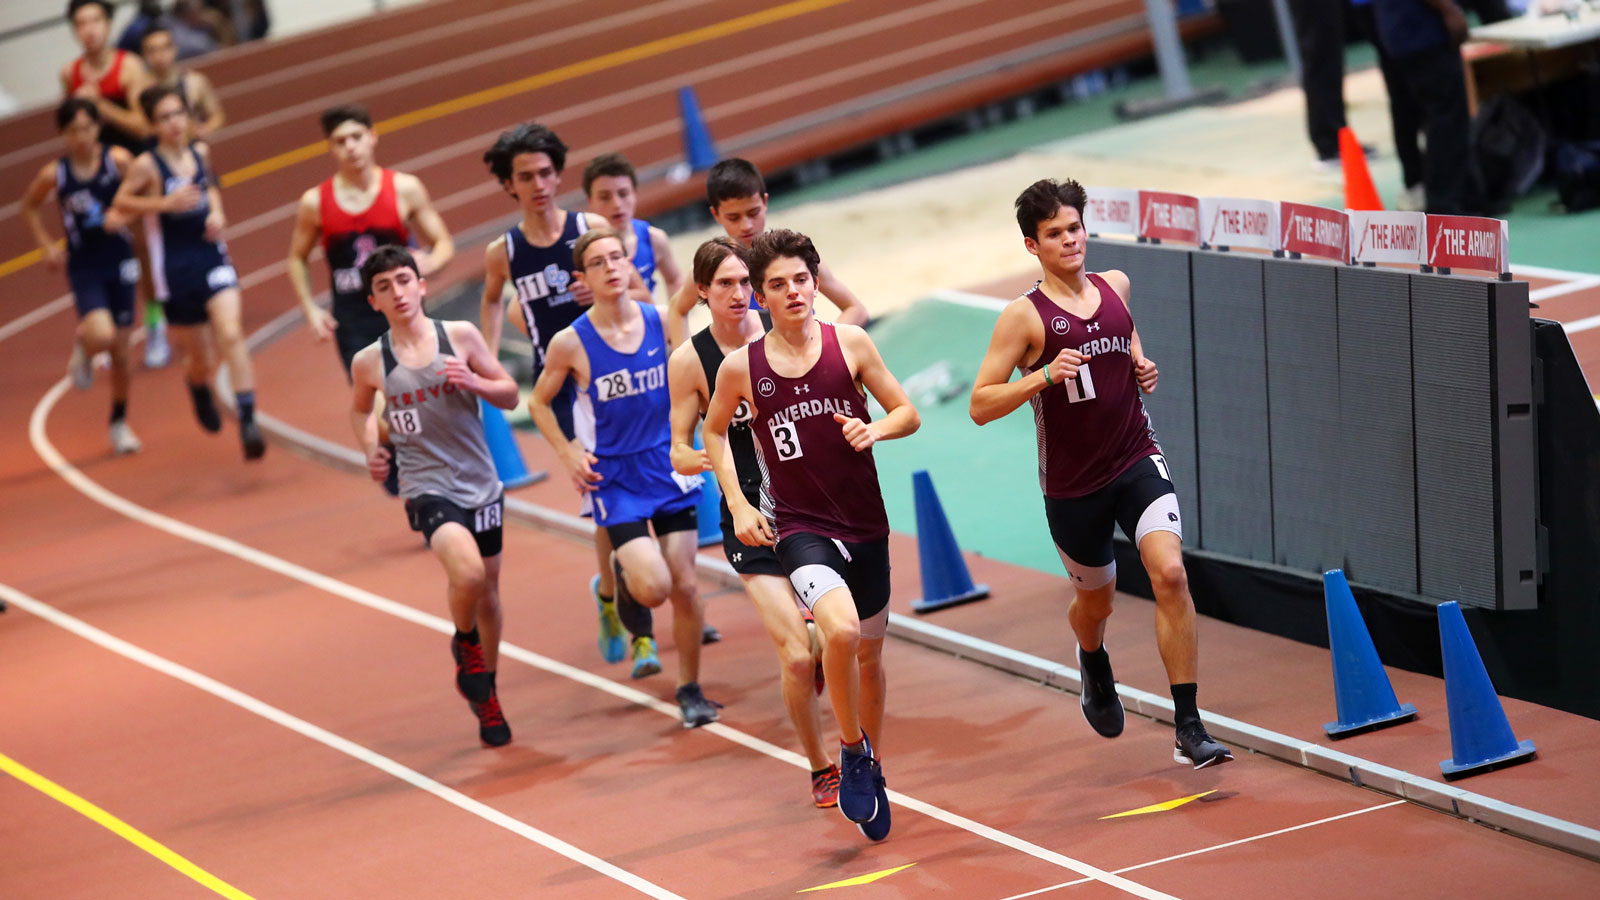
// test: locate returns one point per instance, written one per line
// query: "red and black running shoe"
(492, 727)
(825, 787)
(473, 680)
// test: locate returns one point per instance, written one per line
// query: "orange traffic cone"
(1359, 191)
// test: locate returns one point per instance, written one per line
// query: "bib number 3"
(786, 438)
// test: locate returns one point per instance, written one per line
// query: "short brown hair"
(608, 164)
(587, 240)
(713, 253)
(1040, 202)
(774, 245)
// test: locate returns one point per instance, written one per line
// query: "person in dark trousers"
(1424, 38)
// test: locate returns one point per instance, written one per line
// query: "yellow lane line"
(534, 82)
(118, 827)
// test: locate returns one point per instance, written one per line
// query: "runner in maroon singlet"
(806, 383)
(1074, 341)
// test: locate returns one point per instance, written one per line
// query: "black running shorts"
(664, 524)
(863, 568)
(429, 511)
(1136, 500)
(748, 560)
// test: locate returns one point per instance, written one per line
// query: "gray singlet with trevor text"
(437, 431)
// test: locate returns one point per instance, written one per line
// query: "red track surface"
(276, 814)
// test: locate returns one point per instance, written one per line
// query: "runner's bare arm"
(733, 388)
(994, 394)
(491, 309)
(426, 222)
(851, 310)
(474, 369)
(217, 219)
(138, 195)
(38, 191)
(307, 228)
(564, 358)
(678, 313)
(135, 78)
(366, 379)
(666, 266)
(686, 383)
(901, 417)
(205, 98)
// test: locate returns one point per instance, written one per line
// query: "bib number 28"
(786, 438)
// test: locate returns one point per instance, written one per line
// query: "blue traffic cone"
(697, 149)
(945, 579)
(1480, 736)
(1361, 690)
(508, 462)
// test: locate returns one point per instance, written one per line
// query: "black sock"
(1183, 703)
(470, 637)
(204, 409)
(119, 411)
(247, 406)
(635, 617)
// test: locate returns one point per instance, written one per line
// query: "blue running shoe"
(858, 794)
(645, 660)
(613, 643)
(877, 828)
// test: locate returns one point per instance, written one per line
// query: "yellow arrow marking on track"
(859, 879)
(1159, 807)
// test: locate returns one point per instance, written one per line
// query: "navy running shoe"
(858, 793)
(877, 828)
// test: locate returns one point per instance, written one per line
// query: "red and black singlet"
(349, 238)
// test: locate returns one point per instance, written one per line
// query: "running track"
(601, 788)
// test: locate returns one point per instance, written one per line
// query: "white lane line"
(1560, 290)
(34, 316)
(328, 739)
(1547, 272)
(1580, 325)
(967, 298)
(94, 491)
(1167, 859)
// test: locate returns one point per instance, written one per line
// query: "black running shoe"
(696, 709)
(858, 792)
(1195, 746)
(492, 727)
(877, 828)
(710, 635)
(473, 681)
(255, 446)
(205, 408)
(1101, 706)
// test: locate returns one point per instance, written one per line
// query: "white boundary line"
(328, 739)
(1581, 325)
(1547, 272)
(1561, 290)
(94, 491)
(1223, 846)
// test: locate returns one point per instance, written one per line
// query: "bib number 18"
(487, 517)
(786, 438)
(405, 421)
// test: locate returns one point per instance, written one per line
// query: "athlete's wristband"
(1046, 371)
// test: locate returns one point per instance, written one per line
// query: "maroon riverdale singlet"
(1093, 427)
(818, 482)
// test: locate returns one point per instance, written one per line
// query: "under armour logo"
(802, 389)
(811, 585)
(1172, 517)
(1092, 326)
(738, 556)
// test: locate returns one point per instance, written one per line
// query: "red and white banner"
(1111, 211)
(1235, 222)
(1169, 217)
(1314, 231)
(1388, 237)
(1468, 242)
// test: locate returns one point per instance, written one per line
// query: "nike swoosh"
(653, 352)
